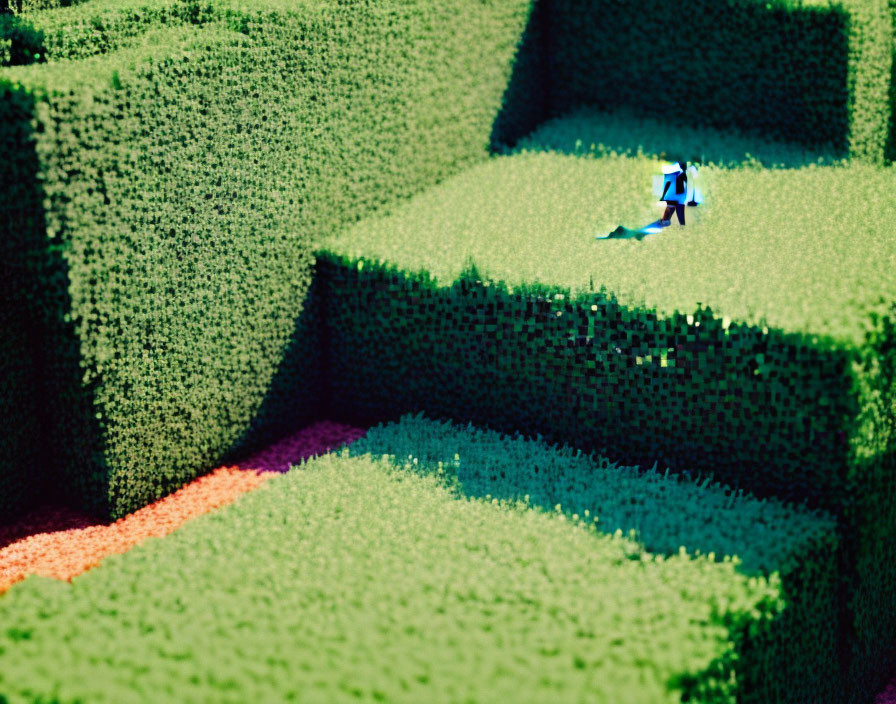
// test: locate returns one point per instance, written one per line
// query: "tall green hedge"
(890, 156)
(760, 409)
(816, 73)
(181, 181)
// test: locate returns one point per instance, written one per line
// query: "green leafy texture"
(533, 217)
(756, 343)
(183, 179)
(890, 155)
(20, 42)
(175, 289)
(349, 580)
(23, 6)
(815, 73)
(664, 514)
(102, 26)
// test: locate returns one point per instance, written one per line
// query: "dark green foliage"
(21, 457)
(20, 42)
(812, 74)
(186, 174)
(761, 410)
(869, 515)
(644, 388)
(526, 98)
(180, 288)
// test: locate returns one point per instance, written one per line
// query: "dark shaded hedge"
(182, 181)
(815, 74)
(20, 459)
(761, 410)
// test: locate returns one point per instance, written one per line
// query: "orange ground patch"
(59, 543)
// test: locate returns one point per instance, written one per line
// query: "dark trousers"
(678, 208)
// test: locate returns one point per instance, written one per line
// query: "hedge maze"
(222, 220)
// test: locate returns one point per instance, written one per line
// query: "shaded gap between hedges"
(576, 40)
(43, 303)
(519, 113)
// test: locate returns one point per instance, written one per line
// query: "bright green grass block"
(348, 580)
(807, 250)
(666, 511)
(795, 661)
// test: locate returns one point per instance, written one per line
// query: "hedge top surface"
(665, 513)
(351, 580)
(806, 250)
(83, 76)
(97, 7)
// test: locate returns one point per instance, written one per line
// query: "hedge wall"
(761, 410)
(891, 140)
(356, 580)
(813, 73)
(182, 181)
(791, 658)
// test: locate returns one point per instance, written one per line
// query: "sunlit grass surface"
(788, 238)
(349, 579)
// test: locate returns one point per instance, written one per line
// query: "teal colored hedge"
(813, 72)
(678, 350)
(351, 579)
(181, 180)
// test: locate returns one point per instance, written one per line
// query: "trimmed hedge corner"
(182, 178)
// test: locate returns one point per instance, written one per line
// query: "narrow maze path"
(61, 543)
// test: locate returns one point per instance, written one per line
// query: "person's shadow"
(624, 233)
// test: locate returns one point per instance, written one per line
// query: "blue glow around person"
(675, 192)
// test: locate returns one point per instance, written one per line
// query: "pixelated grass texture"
(665, 514)
(350, 579)
(805, 250)
(127, 302)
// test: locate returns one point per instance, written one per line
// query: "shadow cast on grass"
(660, 514)
(623, 381)
(589, 132)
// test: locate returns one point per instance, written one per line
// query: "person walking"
(675, 191)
